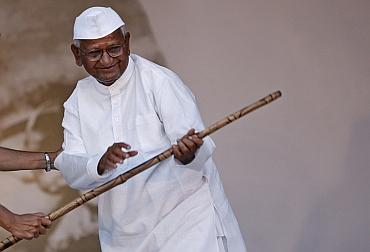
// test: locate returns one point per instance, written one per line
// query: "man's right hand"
(27, 226)
(114, 155)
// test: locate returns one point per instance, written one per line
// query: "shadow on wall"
(343, 213)
(37, 74)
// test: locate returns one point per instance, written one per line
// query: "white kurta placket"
(116, 115)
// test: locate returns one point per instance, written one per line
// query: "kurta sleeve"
(177, 109)
(78, 168)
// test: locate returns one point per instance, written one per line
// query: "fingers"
(36, 234)
(131, 154)
(28, 235)
(118, 154)
(196, 140)
(123, 145)
(46, 222)
(42, 230)
(29, 226)
(42, 222)
(114, 156)
(109, 164)
(176, 151)
(190, 132)
(186, 147)
(190, 142)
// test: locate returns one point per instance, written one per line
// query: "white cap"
(96, 22)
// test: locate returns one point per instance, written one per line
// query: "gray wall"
(296, 172)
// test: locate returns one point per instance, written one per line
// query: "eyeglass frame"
(101, 52)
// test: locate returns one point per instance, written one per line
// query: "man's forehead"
(113, 38)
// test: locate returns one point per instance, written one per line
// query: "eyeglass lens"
(113, 51)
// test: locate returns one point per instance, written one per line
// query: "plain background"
(297, 172)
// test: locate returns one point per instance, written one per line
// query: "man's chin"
(107, 81)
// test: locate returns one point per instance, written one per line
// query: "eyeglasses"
(94, 55)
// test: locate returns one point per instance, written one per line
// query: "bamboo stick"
(11, 240)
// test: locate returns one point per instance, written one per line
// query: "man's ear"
(77, 54)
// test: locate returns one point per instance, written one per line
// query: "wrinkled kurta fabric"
(170, 207)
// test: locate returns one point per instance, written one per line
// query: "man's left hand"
(186, 147)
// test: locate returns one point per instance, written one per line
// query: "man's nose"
(105, 59)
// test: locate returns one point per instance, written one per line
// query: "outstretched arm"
(14, 160)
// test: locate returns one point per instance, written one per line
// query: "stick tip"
(277, 93)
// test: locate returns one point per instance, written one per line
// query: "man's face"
(109, 67)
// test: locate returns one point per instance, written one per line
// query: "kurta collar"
(119, 84)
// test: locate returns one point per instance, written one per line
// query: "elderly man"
(24, 226)
(177, 205)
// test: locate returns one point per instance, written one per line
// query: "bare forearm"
(13, 160)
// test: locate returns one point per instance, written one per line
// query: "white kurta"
(170, 207)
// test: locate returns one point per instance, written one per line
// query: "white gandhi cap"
(96, 22)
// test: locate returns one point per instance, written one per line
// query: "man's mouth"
(107, 68)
